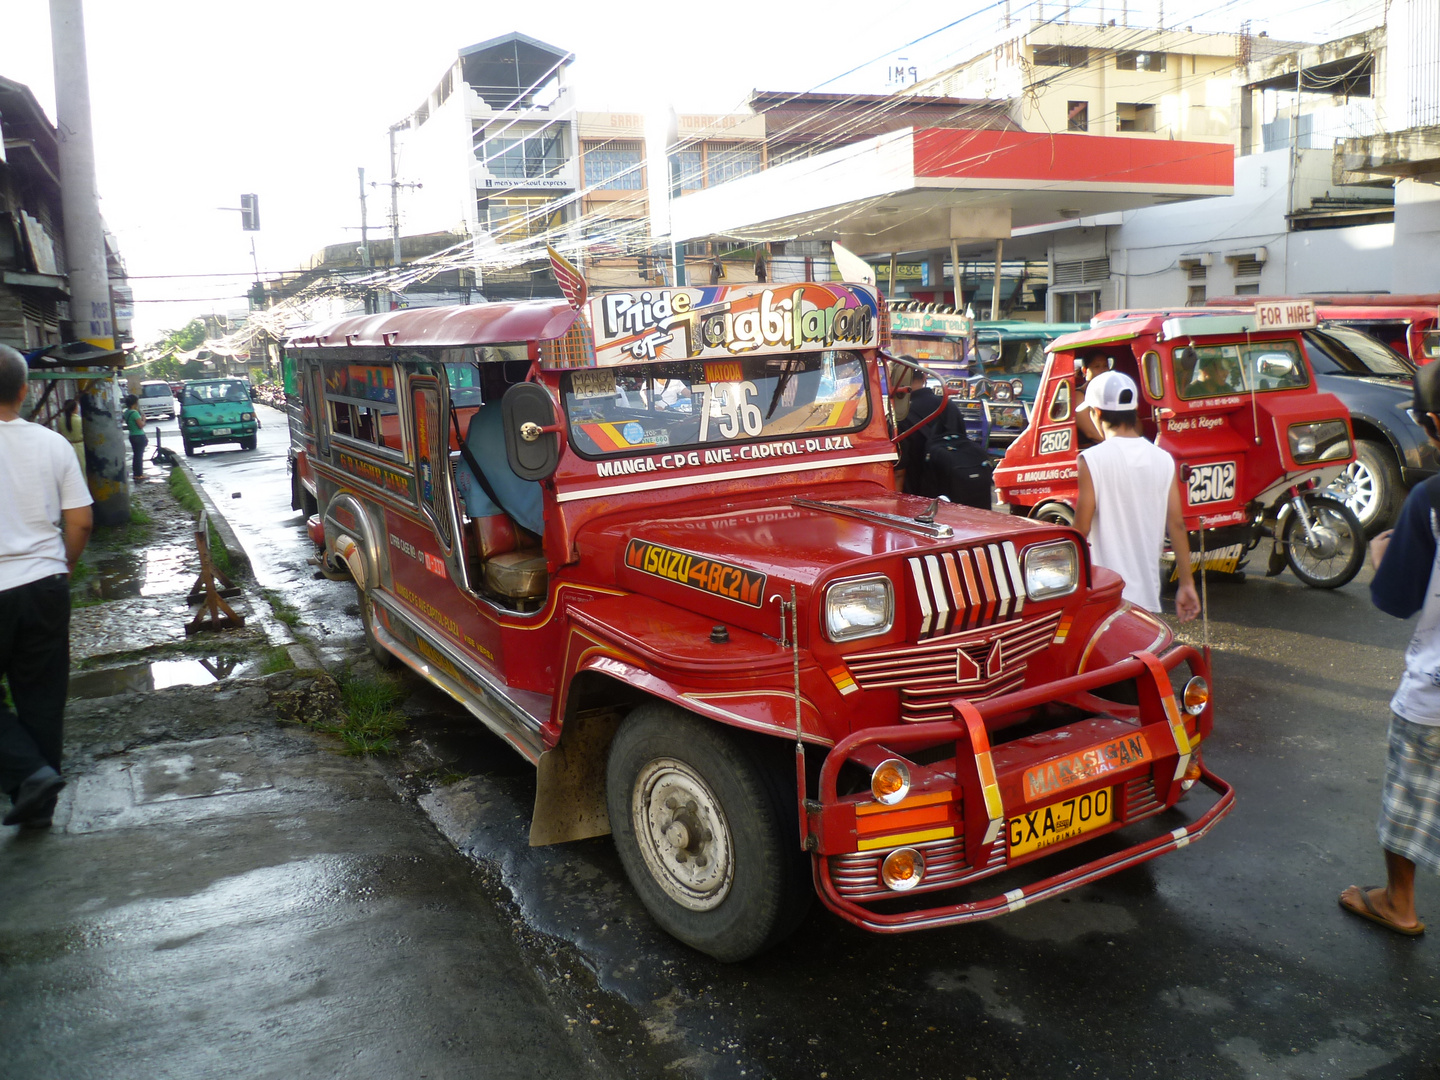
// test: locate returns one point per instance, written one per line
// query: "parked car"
(156, 399)
(1392, 454)
(216, 411)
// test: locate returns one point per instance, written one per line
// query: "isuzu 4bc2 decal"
(696, 572)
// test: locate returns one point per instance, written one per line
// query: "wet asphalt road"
(1227, 959)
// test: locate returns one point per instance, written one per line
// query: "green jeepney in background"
(217, 411)
(993, 367)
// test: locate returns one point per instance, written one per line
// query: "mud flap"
(570, 781)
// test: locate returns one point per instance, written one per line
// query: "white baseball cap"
(1112, 391)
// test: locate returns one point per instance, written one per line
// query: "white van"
(156, 399)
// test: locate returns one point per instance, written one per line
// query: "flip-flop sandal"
(1369, 912)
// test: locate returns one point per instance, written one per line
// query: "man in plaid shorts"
(1406, 581)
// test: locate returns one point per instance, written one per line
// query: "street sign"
(250, 213)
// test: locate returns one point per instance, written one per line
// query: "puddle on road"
(155, 571)
(157, 675)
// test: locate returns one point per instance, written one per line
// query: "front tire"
(1372, 481)
(1340, 543)
(189, 447)
(704, 819)
(248, 444)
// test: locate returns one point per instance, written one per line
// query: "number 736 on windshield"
(732, 409)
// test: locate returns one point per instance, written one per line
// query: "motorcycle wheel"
(1339, 544)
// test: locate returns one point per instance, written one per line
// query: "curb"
(226, 534)
(301, 654)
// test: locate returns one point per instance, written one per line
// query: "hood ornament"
(925, 524)
(928, 517)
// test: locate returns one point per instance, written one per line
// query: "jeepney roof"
(1123, 330)
(1023, 330)
(473, 324)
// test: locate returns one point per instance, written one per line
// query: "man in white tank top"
(1129, 498)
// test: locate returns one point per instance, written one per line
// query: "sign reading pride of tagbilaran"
(684, 324)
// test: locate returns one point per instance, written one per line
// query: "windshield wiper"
(924, 524)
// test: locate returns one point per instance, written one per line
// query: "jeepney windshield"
(1012, 357)
(1203, 371)
(708, 402)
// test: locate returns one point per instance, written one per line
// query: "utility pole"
(394, 199)
(364, 227)
(90, 317)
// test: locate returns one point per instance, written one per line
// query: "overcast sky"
(196, 101)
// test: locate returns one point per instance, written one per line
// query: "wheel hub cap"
(683, 834)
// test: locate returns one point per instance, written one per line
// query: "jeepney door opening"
(500, 528)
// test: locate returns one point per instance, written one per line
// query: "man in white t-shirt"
(1129, 498)
(45, 510)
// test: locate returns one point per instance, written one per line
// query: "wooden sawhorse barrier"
(215, 614)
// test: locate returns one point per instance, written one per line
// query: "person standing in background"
(135, 428)
(45, 510)
(73, 428)
(1129, 499)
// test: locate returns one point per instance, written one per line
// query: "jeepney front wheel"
(705, 822)
(1057, 513)
(1338, 546)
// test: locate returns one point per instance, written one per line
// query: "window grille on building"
(1129, 60)
(1251, 289)
(1061, 56)
(1134, 116)
(730, 161)
(1082, 271)
(1196, 271)
(1248, 267)
(1195, 296)
(692, 169)
(1079, 116)
(613, 166)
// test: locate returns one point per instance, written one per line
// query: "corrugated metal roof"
(474, 324)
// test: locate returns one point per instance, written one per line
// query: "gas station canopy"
(919, 189)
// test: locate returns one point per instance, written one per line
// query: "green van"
(216, 411)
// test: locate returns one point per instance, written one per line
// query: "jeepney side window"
(1060, 403)
(361, 405)
(1154, 377)
(1430, 344)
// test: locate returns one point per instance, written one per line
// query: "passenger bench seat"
(517, 575)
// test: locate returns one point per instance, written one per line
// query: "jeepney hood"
(728, 564)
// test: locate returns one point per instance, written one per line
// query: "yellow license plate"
(1061, 821)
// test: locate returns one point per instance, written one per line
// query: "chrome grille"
(975, 664)
(857, 874)
(960, 590)
(1140, 797)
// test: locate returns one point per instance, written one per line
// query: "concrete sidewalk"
(224, 895)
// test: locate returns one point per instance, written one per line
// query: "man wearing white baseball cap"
(1129, 498)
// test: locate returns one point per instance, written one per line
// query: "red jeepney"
(684, 586)
(1409, 324)
(1231, 396)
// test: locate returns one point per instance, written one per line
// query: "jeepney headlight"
(1051, 570)
(1000, 391)
(890, 782)
(902, 869)
(1017, 387)
(859, 607)
(190, 421)
(1327, 440)
(247, 416)
(1197, 695)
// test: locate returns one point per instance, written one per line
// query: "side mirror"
(1275, 365)
(532, 435)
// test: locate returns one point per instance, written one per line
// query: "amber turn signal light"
(1197, 695)
(890, 782)
(902, 870)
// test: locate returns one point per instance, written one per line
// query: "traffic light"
(250, 213)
